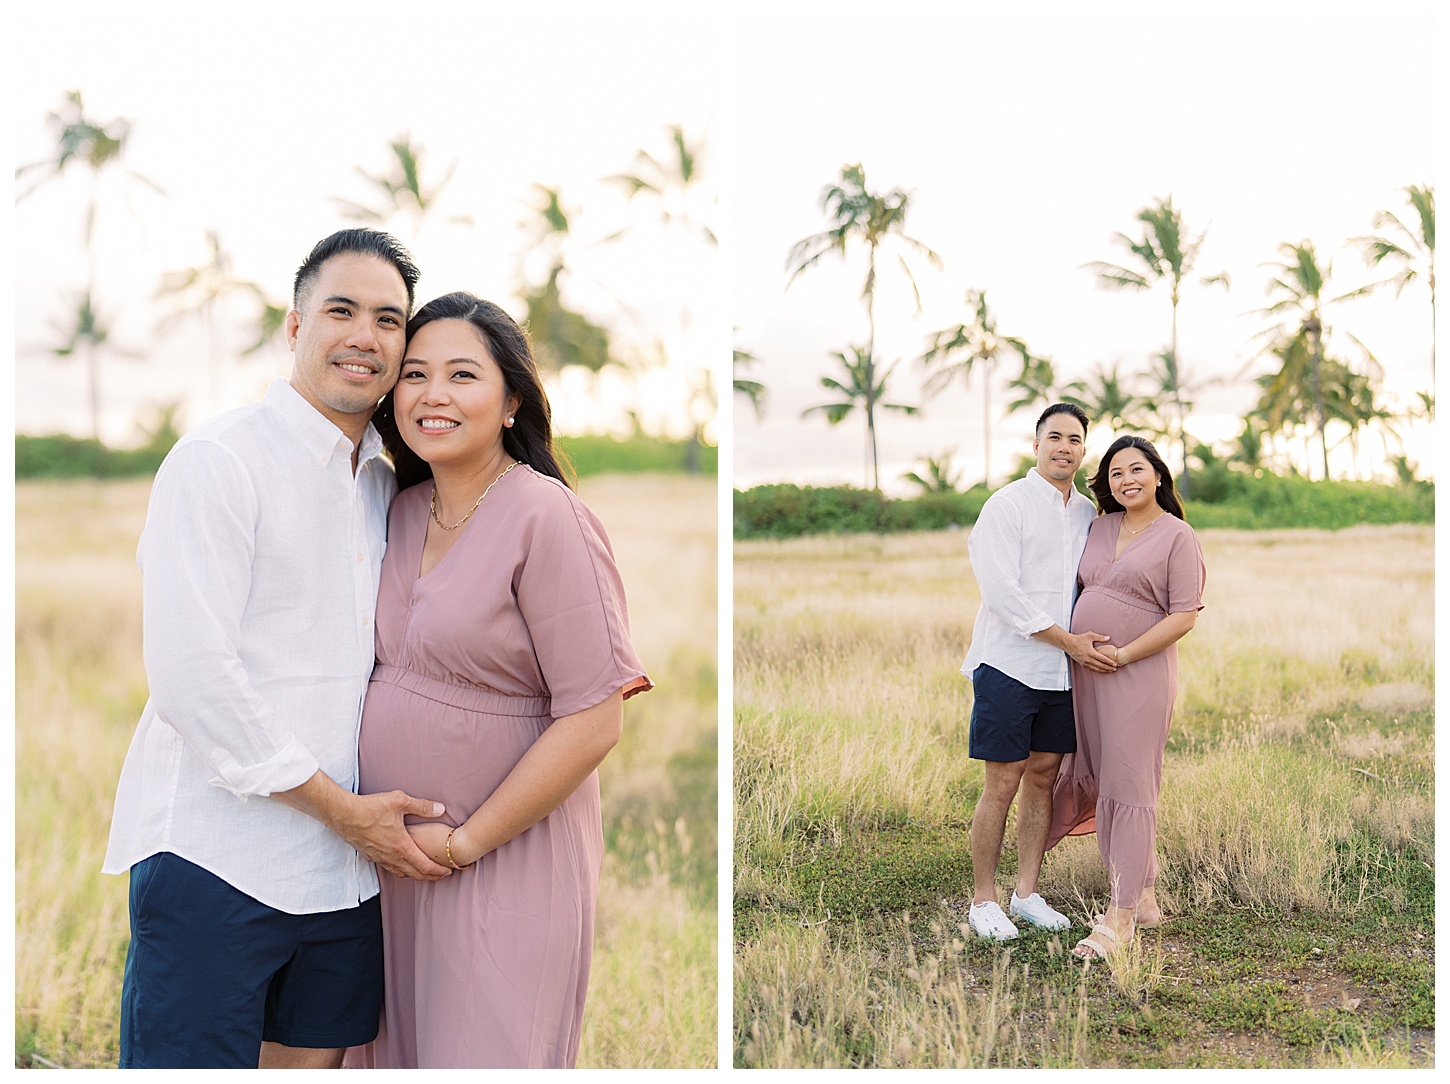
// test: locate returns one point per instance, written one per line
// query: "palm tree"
(270, 318)
(87, 333)
(1249, 444)
(670, 182)
(1104, 398)
(1351, 396)
(1168, 400)
(1302, 282)
(199, 291)
(1413, 253)
(955, 351)
(1166, 253)
(700, 407)
(1036, 383)
(100, 147)
(938, 476)
(863, 388)
(751, 389)
(872, 218)
(401, 189)
(560, 335)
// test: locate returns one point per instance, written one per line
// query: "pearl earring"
(510, 420)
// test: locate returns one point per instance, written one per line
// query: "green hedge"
(72, 457)
(605, 455)
(64, 456)
(785, 511)
(1269, 500)
(1248, 502)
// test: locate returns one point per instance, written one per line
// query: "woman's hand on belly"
(1165, 633)
(432, 840)
(543, 779)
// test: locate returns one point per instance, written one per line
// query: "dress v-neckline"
(1117, 553)
(423, 549)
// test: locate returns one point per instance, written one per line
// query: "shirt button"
(365, 622)
(359, 557)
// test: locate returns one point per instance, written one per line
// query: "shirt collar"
(1050, 491)
(318, 435)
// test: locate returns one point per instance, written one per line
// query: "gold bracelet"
(448, 850)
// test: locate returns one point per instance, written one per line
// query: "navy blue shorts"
(1010, 720)
(211, 973)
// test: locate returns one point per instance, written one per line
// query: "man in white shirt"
(255, 927)
(1025, 549)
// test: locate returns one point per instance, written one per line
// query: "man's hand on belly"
(1080, 647)
(372, 823)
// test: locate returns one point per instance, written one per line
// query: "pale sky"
(1028, 134)
(251, 116)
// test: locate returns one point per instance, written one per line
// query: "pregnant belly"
(1098, 611)
(438, 751)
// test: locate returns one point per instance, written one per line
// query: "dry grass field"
(1296, 831)
(81, 686)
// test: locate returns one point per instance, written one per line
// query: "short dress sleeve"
(572, 600)
(1186, 573)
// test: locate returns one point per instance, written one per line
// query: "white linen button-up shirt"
(260, 562)
(1025, 548)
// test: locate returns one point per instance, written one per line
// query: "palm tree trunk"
(1177, 395)
(987, 424)
(93, 375)
(1316, 333)
(871, 373)
(1432, 327)
(93, 380)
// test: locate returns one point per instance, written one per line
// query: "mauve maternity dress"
(522, 622)
(1110, 785)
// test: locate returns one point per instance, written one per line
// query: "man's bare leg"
(277, 1056)
(988, 822)
(1034, 818)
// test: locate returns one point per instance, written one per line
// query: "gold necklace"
(433, 501)
(1145, 526)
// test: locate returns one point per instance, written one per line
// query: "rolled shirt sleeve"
(196, 556)
(995, 547)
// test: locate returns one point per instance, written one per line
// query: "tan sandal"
(1096, 951)
(1136, 924)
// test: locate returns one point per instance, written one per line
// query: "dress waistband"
(1128, 600)
(467, 697)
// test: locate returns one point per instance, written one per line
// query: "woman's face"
(1132, 479)
(451, 401)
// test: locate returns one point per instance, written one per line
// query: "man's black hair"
(1062, 408)
(363, 242)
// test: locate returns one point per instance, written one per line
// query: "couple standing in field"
(340, 679)
(1074, 672)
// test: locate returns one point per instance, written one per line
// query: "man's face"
(348, 341)
(1060, 447)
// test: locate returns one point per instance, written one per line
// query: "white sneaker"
(1034, 909)
(988, 920)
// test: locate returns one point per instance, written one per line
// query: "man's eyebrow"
(338, 299)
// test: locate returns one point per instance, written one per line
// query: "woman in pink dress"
(503, 659)
(1141, 578)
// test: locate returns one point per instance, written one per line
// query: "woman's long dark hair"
(1167, 495)
(531, 438)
